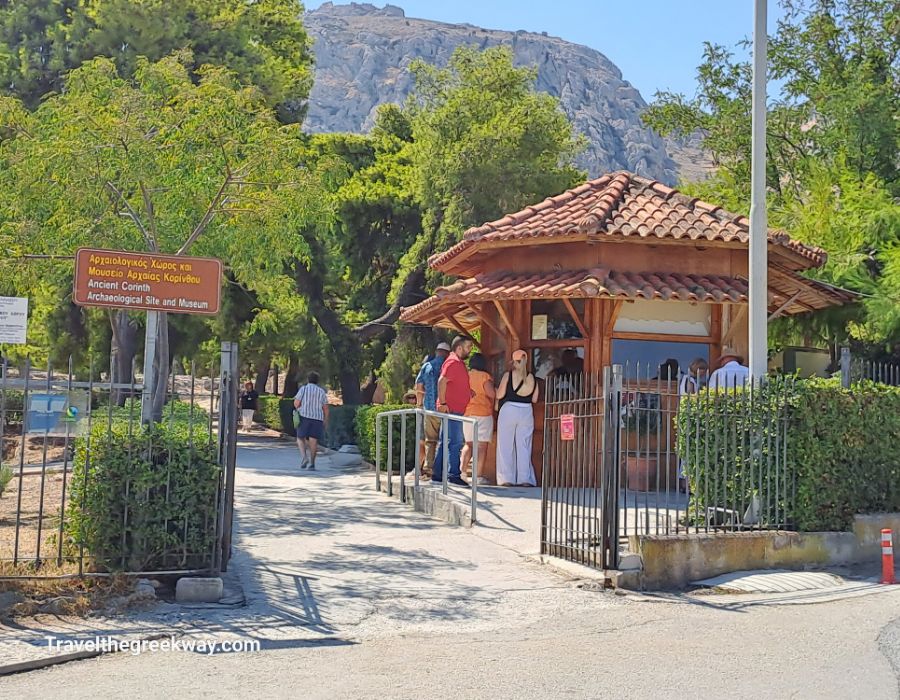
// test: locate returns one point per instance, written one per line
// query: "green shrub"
(846, 447)
(6, 475)
(268, 412)
(843, 451)
(14, 399)
(366, 438)
(275, 412)
(145, 498)
(341, 427)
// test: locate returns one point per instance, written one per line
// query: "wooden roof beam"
(453, 321)
(575, 317)
(781, 309)
(484, 319)
(509, 326)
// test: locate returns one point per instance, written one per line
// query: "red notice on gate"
(567, 426)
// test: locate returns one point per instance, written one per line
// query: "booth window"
(642, 359)
(551, 320)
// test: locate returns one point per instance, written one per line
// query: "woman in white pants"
(516, 395)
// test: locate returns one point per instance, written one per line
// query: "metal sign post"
(150, 336)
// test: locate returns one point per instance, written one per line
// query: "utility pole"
(758, 253)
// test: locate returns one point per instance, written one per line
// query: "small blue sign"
(55, 414)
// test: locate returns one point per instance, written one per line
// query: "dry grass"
(31, 516)
(60, 596)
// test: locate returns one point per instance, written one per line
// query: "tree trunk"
(347, 343)
(123, 348)
(346, 347)
(292, 376)
(262, 374)
(161, 367)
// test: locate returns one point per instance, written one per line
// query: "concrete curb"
(47, 661)
(569, 569)
(621, 581)
(432, 502)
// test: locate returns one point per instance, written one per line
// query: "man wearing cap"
(426, 393)
(454, 392)
(732, 372)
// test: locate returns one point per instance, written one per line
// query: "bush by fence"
(341, 427)
(143, 498)
(6, 475)
(842, 456)
(846, 447)
(732, 450)
(365, 432)
(269, 412)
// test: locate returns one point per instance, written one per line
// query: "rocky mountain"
(362, 58)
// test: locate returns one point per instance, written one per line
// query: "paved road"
(356, 597)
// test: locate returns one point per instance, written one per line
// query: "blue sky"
(656, 43)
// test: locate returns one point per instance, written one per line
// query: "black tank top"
(512, 395)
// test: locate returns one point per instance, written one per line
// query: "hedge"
(843, 450)
(723, 438)
(846, 447)
(275, 412)
(163, 476)
(341, 426)
(365, 432)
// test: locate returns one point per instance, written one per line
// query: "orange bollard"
(887, 557)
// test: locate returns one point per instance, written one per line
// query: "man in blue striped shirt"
(311, 402)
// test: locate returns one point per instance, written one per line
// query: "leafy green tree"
(475, 141)
(262, 41)
(833, 149)
(346, 278)
(160, 163)
(835, 63)
(485, 141)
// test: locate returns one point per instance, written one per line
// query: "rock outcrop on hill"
(362, 58)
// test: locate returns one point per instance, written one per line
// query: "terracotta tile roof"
(624, 204)
(800, 294)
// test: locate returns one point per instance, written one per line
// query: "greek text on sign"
(567, 426)
(13, 320)
(148, 281)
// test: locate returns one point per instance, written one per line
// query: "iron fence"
(633, 451)
(856, 369)
(734, 454)
(90, 489)
(398, 456)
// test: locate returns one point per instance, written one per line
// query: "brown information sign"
(148, 281)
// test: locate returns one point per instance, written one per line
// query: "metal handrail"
(420, 415)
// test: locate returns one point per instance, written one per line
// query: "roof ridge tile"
(642, 207)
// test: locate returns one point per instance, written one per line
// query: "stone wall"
(674, 561)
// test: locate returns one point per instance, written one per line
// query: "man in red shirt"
(454, 393)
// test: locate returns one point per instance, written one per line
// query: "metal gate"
(580, 482)
(78, 465)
